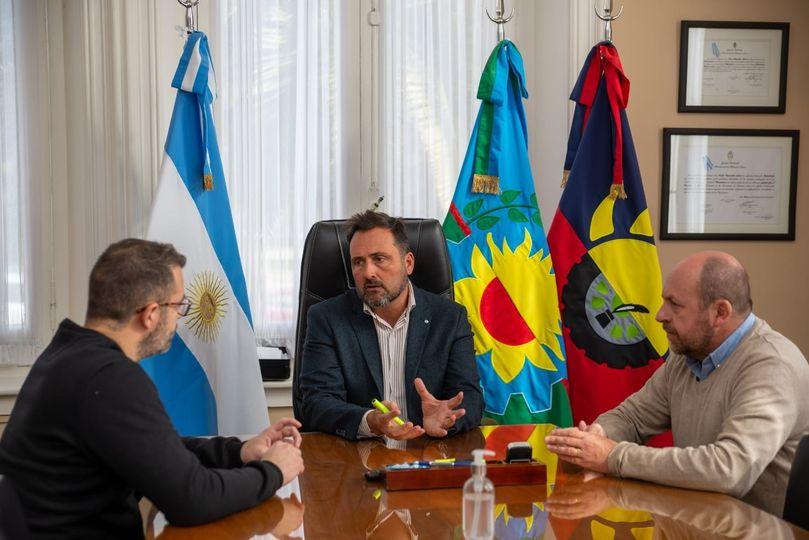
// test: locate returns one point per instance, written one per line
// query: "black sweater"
(88, 432)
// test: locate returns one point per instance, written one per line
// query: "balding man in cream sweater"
(734, 392)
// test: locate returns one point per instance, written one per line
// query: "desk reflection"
(588, 508)
(337, 502)
(280, 517)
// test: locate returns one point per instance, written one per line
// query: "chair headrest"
(326, 270)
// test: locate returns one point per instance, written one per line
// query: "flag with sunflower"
(500, 261)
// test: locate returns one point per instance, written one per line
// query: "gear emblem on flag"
(600, 319)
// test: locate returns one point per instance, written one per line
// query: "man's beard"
(386, 298)
(157, 342)
(695, 347)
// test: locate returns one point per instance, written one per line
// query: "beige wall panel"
(647, 36)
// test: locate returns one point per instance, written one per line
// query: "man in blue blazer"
(390, 340)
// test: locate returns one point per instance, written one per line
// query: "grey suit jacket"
(341, 370)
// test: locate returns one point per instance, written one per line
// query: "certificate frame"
(745, 70)
(708, 193)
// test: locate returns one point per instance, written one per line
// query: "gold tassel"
(617, 192)
(484, 183)
(207, 182)
(565, 176)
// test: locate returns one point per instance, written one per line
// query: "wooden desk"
(338, 503)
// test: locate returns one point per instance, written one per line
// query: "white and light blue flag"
(209, 380)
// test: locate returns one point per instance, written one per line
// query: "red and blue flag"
(604, 253)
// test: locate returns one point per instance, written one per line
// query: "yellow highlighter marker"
(379, 406)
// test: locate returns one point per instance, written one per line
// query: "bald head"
(718, 276)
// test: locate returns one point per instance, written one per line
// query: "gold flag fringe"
(484, 183)
(207, 182)
(565, 176)
(617, 192)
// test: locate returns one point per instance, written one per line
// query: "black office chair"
(796, 506)
(326, 273)
(12, 520)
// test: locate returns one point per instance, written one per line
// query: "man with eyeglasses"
(88, 434)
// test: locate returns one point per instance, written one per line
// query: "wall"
(647, 36)
(540, 30)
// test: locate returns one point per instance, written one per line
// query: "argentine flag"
(209, 380)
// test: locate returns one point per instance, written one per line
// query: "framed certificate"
(729, 184)
(733, 67)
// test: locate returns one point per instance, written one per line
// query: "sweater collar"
(702, 369)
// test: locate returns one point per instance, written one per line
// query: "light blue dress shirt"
(702, 369)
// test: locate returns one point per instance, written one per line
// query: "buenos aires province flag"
(500, 259)
(209, 380)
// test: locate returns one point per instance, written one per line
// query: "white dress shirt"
(392, 347)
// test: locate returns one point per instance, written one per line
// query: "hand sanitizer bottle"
(478, 500)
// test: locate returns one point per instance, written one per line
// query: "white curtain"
(280, 77)
(432, 54)
(288, 119)
(79, 151)
(17, 343)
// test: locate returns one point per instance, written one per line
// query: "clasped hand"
(439, 416)
(585, 446)
(280, 444)
(285, 428)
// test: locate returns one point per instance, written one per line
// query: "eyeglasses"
(182, 307)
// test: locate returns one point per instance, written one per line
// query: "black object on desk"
(274, 363)
(518, 452)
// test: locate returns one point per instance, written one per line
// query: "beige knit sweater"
(736, 432)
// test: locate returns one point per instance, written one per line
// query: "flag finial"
(499, 11)
(607, 17)
(190, 25)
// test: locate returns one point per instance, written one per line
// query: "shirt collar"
(702, 369)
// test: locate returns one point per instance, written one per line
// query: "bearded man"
(733, 393)
(88, 434)
(390, 340)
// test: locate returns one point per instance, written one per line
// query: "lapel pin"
(426, 321)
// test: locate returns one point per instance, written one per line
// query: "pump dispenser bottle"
(478, 500)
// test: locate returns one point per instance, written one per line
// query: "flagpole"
(498, 18)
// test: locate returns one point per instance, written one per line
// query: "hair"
(128, 275)
(365, 221)
(722, 279)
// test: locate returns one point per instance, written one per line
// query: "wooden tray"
(501, 474)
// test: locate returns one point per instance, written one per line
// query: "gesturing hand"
(383, 424)
(285, 428)
(439, 415)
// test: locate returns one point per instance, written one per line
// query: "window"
(16, 335)
(281, 76)
(291, 127)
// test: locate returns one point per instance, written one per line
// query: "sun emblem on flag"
(513, 308)
(208, 306)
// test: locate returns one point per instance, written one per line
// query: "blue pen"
(408, 466)
(443, 463)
